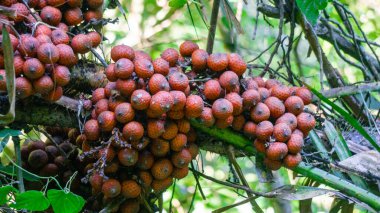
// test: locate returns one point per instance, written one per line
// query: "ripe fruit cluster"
(57, 159)
(143, 113)
(44, 48)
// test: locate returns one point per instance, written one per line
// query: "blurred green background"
(153, 26)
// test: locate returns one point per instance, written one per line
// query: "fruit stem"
(16, 143)
(319, 175)
(213, 24)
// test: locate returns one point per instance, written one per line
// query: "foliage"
(312, 8)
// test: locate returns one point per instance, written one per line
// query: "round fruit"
(51, 15)
(229, 81)
(187, 48)
(276, 151)
(238, 123)
(61, 75)
(123, 68)
(111, 188)
(48, 170)
(199, 59)
(158, 83)
(272, 164)
(125, 87)
(81, 43)
(170, 55)
(294, 104)
(194, 106)
(24, 88)
(179, 173)
(291, 161)
(178, 142)
(161, 66)
(217, 62)
(224, 123)
(110, 72)
(260, 113)
(222, 108)
(59, 37)
(289, 119)
(276, 107)
(171, 131)
(281, 92)
(67, 56)
(124, 113)
(212, 89)
(91, 130)
(305, 95)
(145, 160)
(162, 169)
(159, 147)
(128, 156)
(270, 83)
(295, 143)
(155, 128)
(181, 159)
(144, 68)
(178, 81)
(236, 64)
(21, 12)
(250, 97)
(282, 132)
(38, 158)
(249, 129)
(207, 117)
(259, 145)
(264, 93)
(101, 106)
(95, 38)
(43, 85)
(107, 121)
(237, 102)
(161, 185)
(133, 131)
(161, 102)
(73, 16)
(140, 99)
(305, 122)
(33, 68)
(122, 51)
(130, 189)
(264, 130)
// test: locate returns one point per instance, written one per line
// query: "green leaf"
(311, 8)
(31, 200)
(65, 202)
(4, 192)
(11, 170)
(347, 116)
(10, 78)
(9, 132)
(177, 3)
(289, 192)
(3, 143)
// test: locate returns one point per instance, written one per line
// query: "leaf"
(348, 117)
(31, 200)
(177, 3)
(367, 162)
(311, 8)
(4, 192)
(11, 170)
(289, 192)
(4, 142)
(10, 78)
(9, 132)
(65, 202)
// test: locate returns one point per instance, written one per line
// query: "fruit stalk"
(316, 174)
(16, 142)
(213, 22)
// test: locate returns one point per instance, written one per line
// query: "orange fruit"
(128, 156)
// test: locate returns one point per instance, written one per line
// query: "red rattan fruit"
(281, 92)
(143, 68)
(125, 86)
(170, 55)
(250, 98)
(291, 161)
(92, 130)
(61, 75)
(161, 66)
(51, 15)
(171, 130)
(124, 113)
(229, 81)
(107, 121)
(199, 59)
(238, 123)
(158, 83)
(295, 143)
(272, 164)
(33, 68)
(187, 48)
(123, 68)
(128, 156)
(59, 37)
(54, 95)
(207, 118)
(276, 106)
(161, 102)
(222, 108)
(122, 51)
(236, 64)
(294, 105)
(276, 151)
(260, 113)
(178, 81)
(111, 188)
(259, 145)
(305, 122)
(305, 95)
(194, 106)
(162, 169)
(140, 99)
(67, 56)
(133, 131)
(178, 142)
(130, 189)
(81, 43)
(24, 88)
(212, 89)
(289, 119)
(264, 130)
(282, 132)
(155, 128)
(181, 159)
(249, 129)
(145, 160)
(217, 62)
(43, 85)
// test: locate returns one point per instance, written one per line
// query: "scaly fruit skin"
(143, 68)
(61, 75)
(222, 108)
(133, 131)
(81, 43)
(161, 66)
(145, 160)
(33, 68)
(128, 156)
(59, 37)
(207, 117)
(305, 95)
(178, 142)
(73, 16)
(289, 119)
(140, 99)
(217, 62)
(92, 130)
(295, 143)
(276, 107)
(272, 164)
(111, 188)
(123, 68)
(161, 102)
(67, 56)
(291, 161)
(276, 151)
(155, 128)
(124, 113)
(305, 122)
(236, 101)
(199, 60)
(21, 11)
(282, 132)
(107, 121)
(264, 130)
(130, 189)
(162, 169)
(187, 48)
(178, 81)
(43, 85)
(281, 92)
(48, 53)
(161, 185)
(122, 51)
(294, 105)
(260, 113)
(229, 81)
(159, 147)
(238, 123)
(179, 173)
(170, 55)
(51, 15)
(179, 100)
(181, 159)
(250, 97)
(95, 38)
(158, 83)
(194, 106)
(236, 64)
(249, 129)
(259, 145)
(24, 88)
(212, 89)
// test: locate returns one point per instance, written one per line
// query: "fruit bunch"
(46, 44)
(139, 137)
(57, 159)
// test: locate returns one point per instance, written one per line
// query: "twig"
(213, 24)
(104, 63)
(278, 40)
(197, 181)
(223, 209)
(231, 157)
(16, 143)
(350, 90)
(171, 198)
